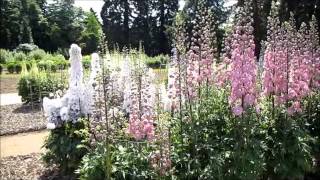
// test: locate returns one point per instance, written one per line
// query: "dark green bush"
(18, 67)
(1, 68)
(66, 146)
(13, 67)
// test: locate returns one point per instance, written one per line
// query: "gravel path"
(27, 167)
(10, 98)
(19, 118)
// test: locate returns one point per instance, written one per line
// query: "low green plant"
(130, 160)
(35, 85)
(66, 146)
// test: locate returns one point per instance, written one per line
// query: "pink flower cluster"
(291, 62)
(275, 74)
(243, 65)
(200, 56)
(300, 69)
(141, 111)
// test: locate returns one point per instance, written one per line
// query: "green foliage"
(13, 67)
(5, 56)
(37, 54)
(288, 153)
(47, 65)
(1, 68)
(86, 61)
(33, 86)
(66, 145)
(159, 61)
(19, 56)
(215, 144)
(91, 36)
(130, 160)
(313, 126)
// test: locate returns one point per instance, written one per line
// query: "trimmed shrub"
(47, 65)
(33, 87)
(13, 67)
(37, 54)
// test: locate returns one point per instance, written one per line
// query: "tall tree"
(219, 12)
(116, 17)
(91, 35)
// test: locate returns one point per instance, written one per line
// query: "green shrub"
(1, 68)
(5, 56)
(32, 88)
(47, 65)
(13, 67)
(59, 61)
(66, 145)
(153, 62)
(19, 56)
(37, 54)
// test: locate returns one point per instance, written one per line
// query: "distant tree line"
(51, 26)
(54, 25)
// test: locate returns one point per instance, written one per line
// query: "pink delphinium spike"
(243, 65)
(274, 77)
(142, 106)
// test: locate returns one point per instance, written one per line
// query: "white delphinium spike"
(91, 85)
(74, 103)
(51, 109)
(165, 101)
(76, 70)
(125, 84)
